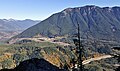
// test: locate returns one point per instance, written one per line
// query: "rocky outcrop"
(34, 64)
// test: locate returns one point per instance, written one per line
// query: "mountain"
(95, 23)
(11, 27)
(16, 25)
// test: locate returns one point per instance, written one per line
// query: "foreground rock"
(34, 65)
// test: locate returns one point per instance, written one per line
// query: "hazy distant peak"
(11, 19)
(8, 20)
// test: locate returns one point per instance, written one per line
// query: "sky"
(42, 9)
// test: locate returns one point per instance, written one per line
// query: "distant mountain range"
(95, 22)
(11, 27)
(16, 25)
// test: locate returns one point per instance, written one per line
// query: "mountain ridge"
(95, 22)
(12, 27)
(16, 24)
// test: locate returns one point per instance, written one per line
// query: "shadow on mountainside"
(34, 64)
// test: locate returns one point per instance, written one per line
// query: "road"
(97, 58)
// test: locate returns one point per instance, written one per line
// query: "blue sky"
(41, 9)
